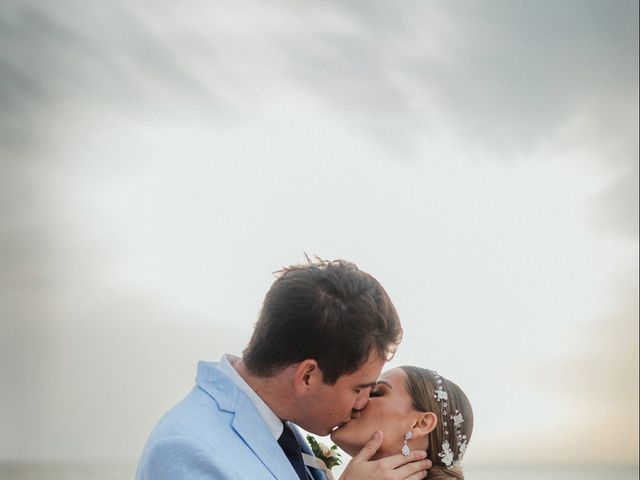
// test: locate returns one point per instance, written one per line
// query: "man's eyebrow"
(367, 385)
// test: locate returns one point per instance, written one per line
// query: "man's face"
(330, 406)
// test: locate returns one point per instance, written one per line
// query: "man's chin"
(339, 427)
(336, 432)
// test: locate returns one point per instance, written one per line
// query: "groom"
(323, 335)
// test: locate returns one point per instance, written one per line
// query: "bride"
(414, 408)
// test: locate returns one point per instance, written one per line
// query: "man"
(322, 337)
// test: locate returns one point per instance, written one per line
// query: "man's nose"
(361, 401)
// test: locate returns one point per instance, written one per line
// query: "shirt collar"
(271, 419)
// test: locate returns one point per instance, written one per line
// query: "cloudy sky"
(160, 160)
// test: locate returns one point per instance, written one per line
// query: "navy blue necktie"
(291, 449)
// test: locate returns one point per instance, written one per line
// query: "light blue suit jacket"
(215, 432)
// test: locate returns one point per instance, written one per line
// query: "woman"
(414, 408)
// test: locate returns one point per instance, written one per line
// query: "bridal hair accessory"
(405, 447)
(447, 454)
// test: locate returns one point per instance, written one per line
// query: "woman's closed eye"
(375, 392)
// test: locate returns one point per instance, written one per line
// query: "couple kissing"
(314, 361)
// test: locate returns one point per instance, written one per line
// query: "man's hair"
(329, 311)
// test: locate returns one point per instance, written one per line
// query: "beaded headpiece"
(446, 454)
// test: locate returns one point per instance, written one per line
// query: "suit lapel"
(246, 422)
(249, 425)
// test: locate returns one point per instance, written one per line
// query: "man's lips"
(354, 415)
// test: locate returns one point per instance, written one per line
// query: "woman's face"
(389, 410)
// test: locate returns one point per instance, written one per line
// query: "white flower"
(447, 458)
(441, 394)
(326, 451)
(446, 454)
(457, 419)
(462, 448)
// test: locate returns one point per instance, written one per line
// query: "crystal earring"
(405, 447)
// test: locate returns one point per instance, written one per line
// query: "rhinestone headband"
(446, 455)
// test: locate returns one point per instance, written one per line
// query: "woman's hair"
(330, 311)
(423, 386)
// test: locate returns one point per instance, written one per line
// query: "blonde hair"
(421, 385)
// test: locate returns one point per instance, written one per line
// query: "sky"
(159, 161)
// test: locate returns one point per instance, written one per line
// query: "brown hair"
(329, 311)
(421, 385)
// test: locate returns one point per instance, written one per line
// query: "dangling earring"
(405, 447)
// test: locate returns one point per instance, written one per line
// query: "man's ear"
(426, 423)
(306, 374)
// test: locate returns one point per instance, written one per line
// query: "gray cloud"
(511, 78)
(511, 74)
(107, 58)
(504, 75)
